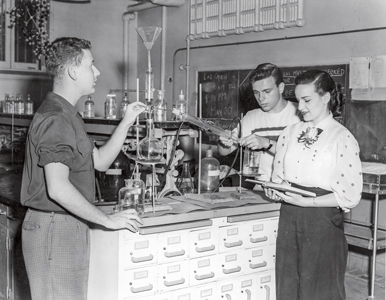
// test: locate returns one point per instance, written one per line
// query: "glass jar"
(89, 108)
(251, 162)
(150, 149)
(111, 107)
(210, 173)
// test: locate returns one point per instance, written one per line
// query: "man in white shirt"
(261, 127)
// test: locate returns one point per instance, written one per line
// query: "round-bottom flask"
(150, 149)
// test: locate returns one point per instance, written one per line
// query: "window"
(17, 52)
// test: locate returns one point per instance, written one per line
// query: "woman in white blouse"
(320, 155)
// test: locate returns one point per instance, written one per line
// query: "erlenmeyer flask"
(150, 149)
(186, 182)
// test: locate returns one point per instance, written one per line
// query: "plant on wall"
(31, 18)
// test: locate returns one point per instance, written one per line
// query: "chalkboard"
(228, 94)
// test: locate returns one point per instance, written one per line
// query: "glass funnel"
(148, 35)
(150, 149)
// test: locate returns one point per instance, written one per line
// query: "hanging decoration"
(31, 17)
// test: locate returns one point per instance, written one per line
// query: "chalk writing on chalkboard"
(228, 94)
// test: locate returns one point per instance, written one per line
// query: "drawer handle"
(205, 276)
(234, 244)
(260, 265)
(141, 289)
(175, 282)
(230, 271)
(205, 249)
(174, 254)
(259, 240)
(142, 259)
(268, 292)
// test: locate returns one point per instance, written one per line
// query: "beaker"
(251, 162)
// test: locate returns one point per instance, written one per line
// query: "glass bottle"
(186, 182)
(132, 194)
(160, 107)
(125, 102)
(18, 105)
(89, 108)
(210, 173)
(6, 103)
(150, 149)
(29, 106)
(111, 107)
(181, 105)
(11, 105)
(140, 186)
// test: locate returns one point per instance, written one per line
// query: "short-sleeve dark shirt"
(56, 135)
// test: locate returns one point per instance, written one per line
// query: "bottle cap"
(209, 152)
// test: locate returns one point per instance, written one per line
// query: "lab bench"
(189, 253)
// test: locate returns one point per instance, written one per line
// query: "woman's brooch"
(310, 136)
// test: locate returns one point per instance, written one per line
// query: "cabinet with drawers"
(226, 259)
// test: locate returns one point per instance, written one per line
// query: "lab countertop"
(182, 209)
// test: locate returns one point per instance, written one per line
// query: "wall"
(101, 23)
(333, 32)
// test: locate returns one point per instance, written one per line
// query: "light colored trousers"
(56, 252)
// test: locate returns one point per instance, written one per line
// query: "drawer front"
(140, 252)
(172, 246)
(174, 275)
(203, 242)
(203, 270)
(266, 286)
(139, 282)
(260, 259)
(230, 264)
(206, 292)
(231, 238)
(260, 233)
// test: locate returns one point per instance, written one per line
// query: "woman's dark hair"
(64, 52)
(324, 83)
(266, 70)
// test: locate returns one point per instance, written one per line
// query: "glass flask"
(150, 149)
(210, 173)
(89, 108)
(251, 162)
(185, 182)
(111, 107)
(125, 102)
(160, 108)
(181, 105)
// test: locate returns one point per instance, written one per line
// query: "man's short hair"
(62, 53)
(266, 70)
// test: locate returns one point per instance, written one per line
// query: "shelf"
(362, 236)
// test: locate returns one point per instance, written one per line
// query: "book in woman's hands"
(282, 188)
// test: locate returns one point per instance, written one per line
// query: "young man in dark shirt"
(59, 179)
